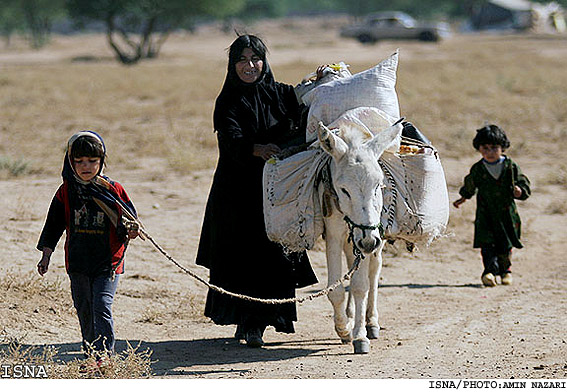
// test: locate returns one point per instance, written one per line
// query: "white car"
(395, 25)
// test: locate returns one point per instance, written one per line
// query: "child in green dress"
(497, 182)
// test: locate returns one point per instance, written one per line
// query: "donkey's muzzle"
(369, 242)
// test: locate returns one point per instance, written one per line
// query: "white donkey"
(353, 219)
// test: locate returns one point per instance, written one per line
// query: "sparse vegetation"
(131, 363)
(10, 167)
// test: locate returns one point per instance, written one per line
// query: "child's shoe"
(489, 280)
(507, 279)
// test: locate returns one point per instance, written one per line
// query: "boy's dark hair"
(86, 146)
(491, 134)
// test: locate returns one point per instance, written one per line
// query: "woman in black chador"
(255, 117)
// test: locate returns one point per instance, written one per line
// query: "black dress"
(233, 244)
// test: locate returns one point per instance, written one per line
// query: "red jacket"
(93, 245)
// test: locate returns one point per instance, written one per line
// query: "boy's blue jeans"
(93, 298)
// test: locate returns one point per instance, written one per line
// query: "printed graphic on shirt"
(81, 215)
(89, 221)
(99, 220)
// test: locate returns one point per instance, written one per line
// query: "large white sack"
(330, 73)
(370, 119)
(416, 201)
(375, 87)
(292, 212)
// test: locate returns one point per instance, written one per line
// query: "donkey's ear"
(385, 139)
(331, 143)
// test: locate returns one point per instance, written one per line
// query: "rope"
(357, 253)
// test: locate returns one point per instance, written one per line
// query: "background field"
(438, 321)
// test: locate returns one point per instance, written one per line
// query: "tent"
(502, 14)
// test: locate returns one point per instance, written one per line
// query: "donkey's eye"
(343, 190)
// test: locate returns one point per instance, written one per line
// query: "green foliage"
(10, 20)
(136, 29)
(263, 8)
(219, 8)
(33, 17)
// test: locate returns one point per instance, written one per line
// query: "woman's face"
(249, 66)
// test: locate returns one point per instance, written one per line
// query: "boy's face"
(490, 152)
(86, 167)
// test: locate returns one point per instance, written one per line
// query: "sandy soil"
(438, 321)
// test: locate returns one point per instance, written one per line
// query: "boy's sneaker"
(489, 280)
(507, 279)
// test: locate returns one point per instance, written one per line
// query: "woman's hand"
(517, 192)
(320, 71)
(265, 151)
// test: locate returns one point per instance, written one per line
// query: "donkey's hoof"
(361, 346)
(372, 332)
(346, 338)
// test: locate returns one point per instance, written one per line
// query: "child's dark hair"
(86, 146)
(491, 134)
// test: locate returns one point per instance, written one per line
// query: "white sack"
(292, 212)
(374, 87)
(370, 119)
(333, 72)
(416, 201)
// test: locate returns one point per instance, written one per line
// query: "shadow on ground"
(176, 357)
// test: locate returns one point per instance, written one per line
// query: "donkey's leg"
(359, 289)
(374, 268)
(334, 235)
(347, 249)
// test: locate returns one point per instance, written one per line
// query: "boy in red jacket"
(91, 209)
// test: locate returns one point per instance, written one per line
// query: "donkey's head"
(358, 178)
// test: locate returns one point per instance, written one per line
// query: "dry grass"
(13, 167)
(131, 363)
(29, 287)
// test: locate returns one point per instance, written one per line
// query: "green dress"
(497, 221)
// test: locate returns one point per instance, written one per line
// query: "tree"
(137, 29)
(34, 17)
(10, 20)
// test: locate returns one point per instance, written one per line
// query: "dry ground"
(438, 321)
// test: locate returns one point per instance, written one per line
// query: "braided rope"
(357, 253)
